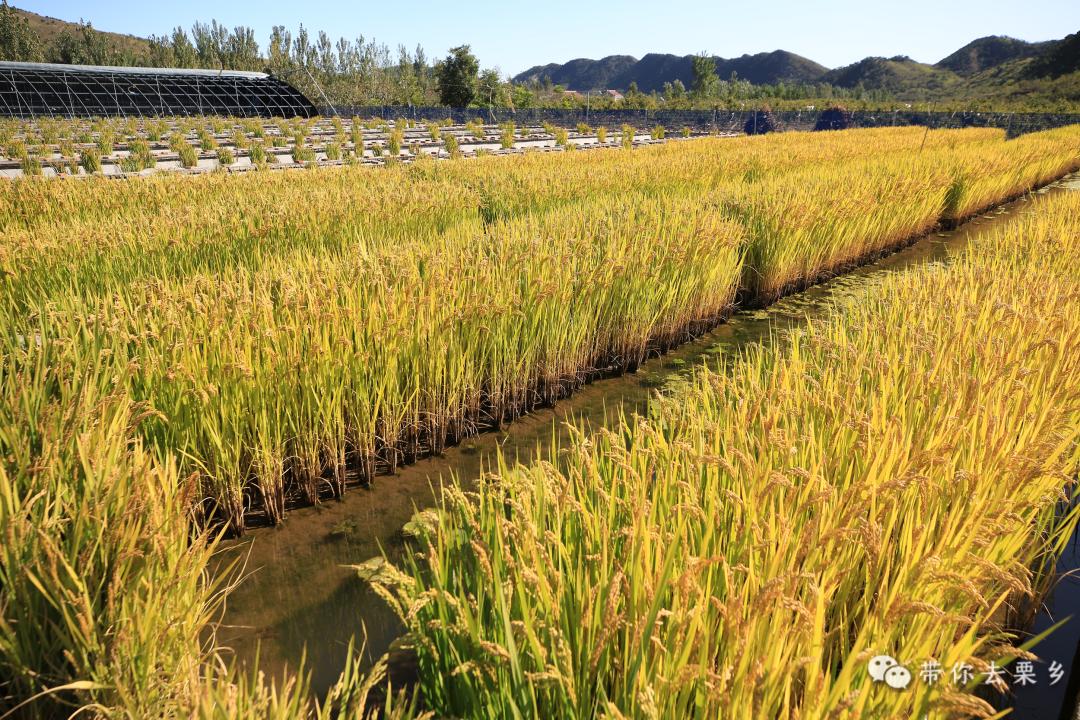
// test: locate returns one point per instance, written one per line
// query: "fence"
(722, 120)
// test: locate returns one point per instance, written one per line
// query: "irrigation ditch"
(299, 597)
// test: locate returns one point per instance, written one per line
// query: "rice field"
(890, 483)
(184, 356)
(131, 147)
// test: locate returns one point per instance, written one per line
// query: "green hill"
(49, 30)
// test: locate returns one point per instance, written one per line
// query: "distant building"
(572, 94)
(614, 95)
(40, 89)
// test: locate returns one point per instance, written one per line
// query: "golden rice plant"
(890, 481)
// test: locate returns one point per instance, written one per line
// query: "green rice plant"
(376, 149)
(450, 142)
(584, 129)
(414, 149)
(833, 485)
(130, 164)
(240, 139)
(207, 141)
(601, 134)
(658, 132)
(333, 151)
(225, 156)
(302, 154)
(30, 165)
(357, 134)
(90, 159)
(561, 137)
(189, 157)
(506, 135)
(156, 129)
(476, 128)
(105, 140)
(177, 140)
(143, 157)
(15, 150)
(66, 148)
(686, 131)
(50, 132)
(434, 131)
(254, 127)
(257, 154)
(393, 142)
(279, 141)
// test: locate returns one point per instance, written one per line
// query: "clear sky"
(514, 37)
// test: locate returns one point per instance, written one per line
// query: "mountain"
(582, 73)
(994, 67)
(989, 52)
(900, 76)
(1062, 58)
(653, 70)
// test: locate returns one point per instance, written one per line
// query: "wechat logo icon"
(884, 668)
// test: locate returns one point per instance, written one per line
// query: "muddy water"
(299, 597)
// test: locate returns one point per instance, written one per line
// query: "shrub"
(834, 118)
(760, 122)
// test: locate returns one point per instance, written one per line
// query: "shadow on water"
(299, 597)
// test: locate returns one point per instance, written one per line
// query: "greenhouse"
(38, 89)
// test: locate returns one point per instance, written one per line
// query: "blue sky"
(502, 35)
